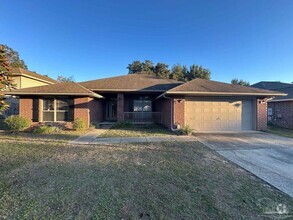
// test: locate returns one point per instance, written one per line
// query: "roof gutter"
(48, 94)
(225, 93)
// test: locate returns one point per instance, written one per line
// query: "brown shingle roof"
(20, 71)
(132, 82)
(65, 88)
(209, 87)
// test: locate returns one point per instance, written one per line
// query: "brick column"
(179, 112)
(81, 109)
(26, 108)
(261, 115)
(120, 107)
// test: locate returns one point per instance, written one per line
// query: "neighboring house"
(24, 79)
(280, 109)
(204, 105)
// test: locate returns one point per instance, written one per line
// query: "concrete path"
(270, 157)
(92, 138)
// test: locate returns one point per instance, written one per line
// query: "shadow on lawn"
(131, 182)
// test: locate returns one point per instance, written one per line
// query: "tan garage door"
(219, 115)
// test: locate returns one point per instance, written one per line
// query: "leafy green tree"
(177, 73)
(162, 70)
(240, 82)
(196, 71)
(148, 67)
(6, 81)
(12, 57)
(65, 79)
(134, 67)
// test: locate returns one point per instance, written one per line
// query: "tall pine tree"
(6, 82)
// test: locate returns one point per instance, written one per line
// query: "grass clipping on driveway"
(136, 131)
(137, 181)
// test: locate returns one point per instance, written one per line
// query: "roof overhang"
(94, 95)
(223, 93)
(126, 90)
(281, 100)
(35, 78)
(190, 93)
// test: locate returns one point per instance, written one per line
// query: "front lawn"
(175, 180)
(136, 131)
(61, 136)
(280, 131)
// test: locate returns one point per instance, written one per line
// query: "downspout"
(171, 99)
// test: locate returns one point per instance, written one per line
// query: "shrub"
(78, 124)
(16, 123)
(185, 130)
(45, 129)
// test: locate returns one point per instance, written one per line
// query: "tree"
(134, 67)
(177, 73)
(6, 81)
(162, 70)
(240, 82)
(148, 67)
(196, 71)
(12, 57)
(65, 79)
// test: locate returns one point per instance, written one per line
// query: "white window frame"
(55, 111)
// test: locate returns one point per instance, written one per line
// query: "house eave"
(50, 94)
(223, 93)
(281, 100)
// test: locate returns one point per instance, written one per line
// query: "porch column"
(120, 107)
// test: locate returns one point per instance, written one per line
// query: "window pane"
(147, 106)
(48, 116)
(137, 106)
(48, 104)
(62, 104)
(62, 116)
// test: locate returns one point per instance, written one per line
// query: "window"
(143, 104)
(55, 109)
(270, 111)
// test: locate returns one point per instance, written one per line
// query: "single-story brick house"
(280, 109)
(204, 105)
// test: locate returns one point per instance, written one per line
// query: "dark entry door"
(111, 110)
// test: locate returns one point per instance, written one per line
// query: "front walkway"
(91, 138)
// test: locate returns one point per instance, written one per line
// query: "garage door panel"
(212, 115)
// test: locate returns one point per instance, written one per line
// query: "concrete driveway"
(268, 156)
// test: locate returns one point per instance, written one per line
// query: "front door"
(111, 110)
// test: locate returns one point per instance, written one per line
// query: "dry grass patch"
(136, 181)
(281, 131)
(136, 131)
(60, 136)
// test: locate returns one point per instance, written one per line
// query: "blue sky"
(247, 39)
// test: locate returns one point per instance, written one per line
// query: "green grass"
(61, 136)
(175, 180)
(280, 131)
(136, 131)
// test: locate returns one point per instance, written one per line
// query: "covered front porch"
(134, 108)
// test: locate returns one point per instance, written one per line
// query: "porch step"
(106, 124)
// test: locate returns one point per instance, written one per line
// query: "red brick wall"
(120, 107)
(166, 112)
(285, 112)
(95, 110)
(261, 115)
(179, 112)
(81, 109)
(26, 108)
